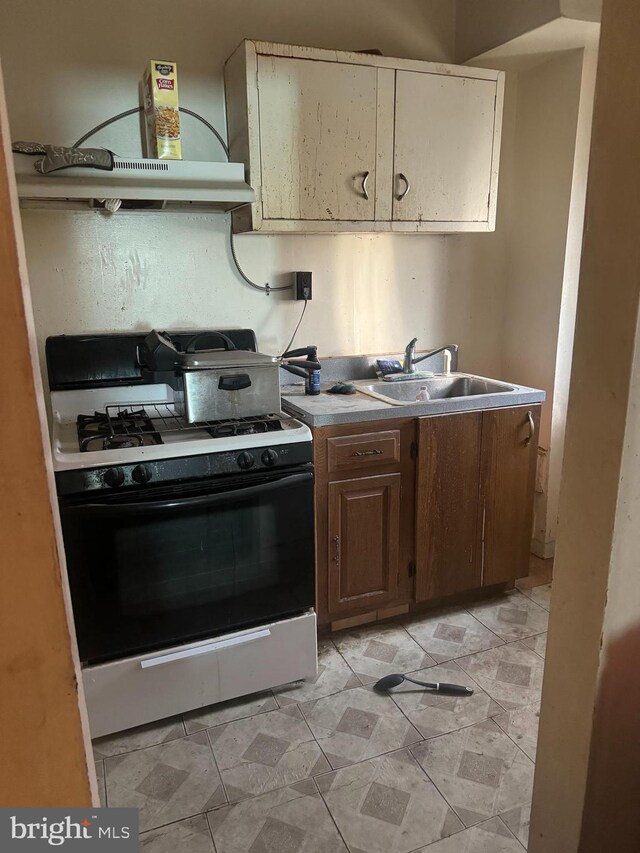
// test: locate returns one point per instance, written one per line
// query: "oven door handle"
(140, 507)
(215, 646)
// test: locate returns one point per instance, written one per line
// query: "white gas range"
(190, 548)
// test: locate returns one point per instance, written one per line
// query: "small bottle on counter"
(312, 382)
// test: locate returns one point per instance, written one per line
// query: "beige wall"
(484, 24)
(541, 189)
(371, 293)
(547, 504)
(586, 789)
(548, 98)
(584, 10)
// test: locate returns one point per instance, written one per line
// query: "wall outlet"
(302, 281)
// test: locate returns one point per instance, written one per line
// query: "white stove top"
(67, 405)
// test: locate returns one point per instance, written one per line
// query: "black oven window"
(191, 559)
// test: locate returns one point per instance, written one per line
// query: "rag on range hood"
(139, 183)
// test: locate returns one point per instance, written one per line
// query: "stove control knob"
(269, 457)
(114, 477)
(245, 460)
(141, 474)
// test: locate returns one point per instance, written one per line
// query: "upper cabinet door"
(317, 139)
(447, 133)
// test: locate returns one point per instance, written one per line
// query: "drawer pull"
(208, 647)
(367, 452)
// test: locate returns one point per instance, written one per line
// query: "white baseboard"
(544, 550)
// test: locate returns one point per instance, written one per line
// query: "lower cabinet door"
(364, 539)
(448, 488)
(508, 470)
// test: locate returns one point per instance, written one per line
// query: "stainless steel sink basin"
(404, 393)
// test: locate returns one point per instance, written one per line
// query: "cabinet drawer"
(367, 450)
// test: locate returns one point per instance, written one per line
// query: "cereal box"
(161, 116)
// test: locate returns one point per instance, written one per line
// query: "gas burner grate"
(126, 428)
(129, 426)
(244, 426)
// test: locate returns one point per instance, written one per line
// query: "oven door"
(159, 566)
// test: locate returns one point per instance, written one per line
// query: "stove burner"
(244, 426)
(116, 442)
(100, 431)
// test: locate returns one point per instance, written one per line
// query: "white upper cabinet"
(337, 141)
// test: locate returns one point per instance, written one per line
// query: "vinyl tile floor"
(330, 766)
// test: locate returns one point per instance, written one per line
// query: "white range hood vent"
(139, 184)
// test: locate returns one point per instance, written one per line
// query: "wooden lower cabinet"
(474, 499)
(507, 482)
(447, 498)
(448, 485)
(365, 484)
(364, 541)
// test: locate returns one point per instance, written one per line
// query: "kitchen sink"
(403, 393)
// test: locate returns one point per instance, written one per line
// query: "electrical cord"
(295, 331)
(135, 110)
(266, 288)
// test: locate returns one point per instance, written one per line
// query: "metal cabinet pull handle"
(407, 186)
(367, 452)
(532, 430)
(365, 178)
(336, 555)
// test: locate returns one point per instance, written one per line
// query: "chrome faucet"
(410, 356)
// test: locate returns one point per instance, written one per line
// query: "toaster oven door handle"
(234, 382)
(215, 646)
(140, 507)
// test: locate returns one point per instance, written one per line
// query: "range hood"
(139, 184)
